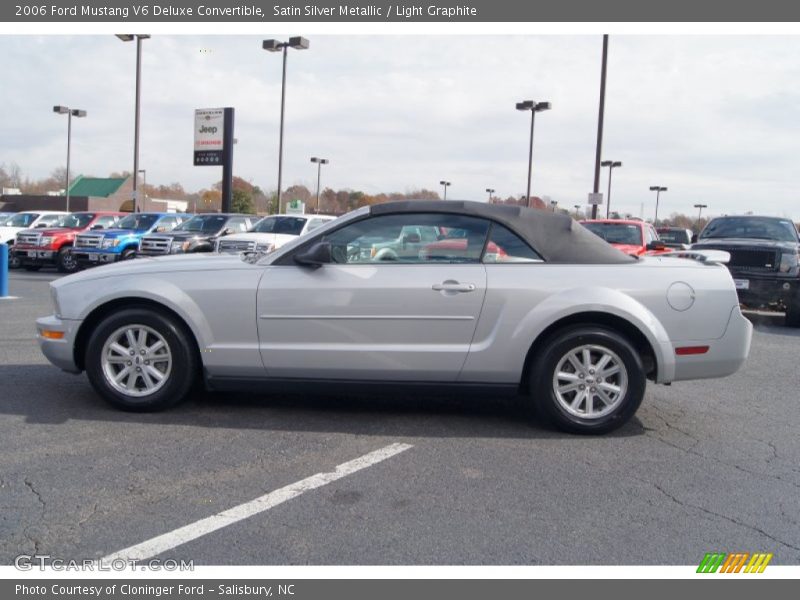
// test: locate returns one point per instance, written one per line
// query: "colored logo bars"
(734, 563)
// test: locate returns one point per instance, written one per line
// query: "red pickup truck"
(36, 248)
(636, 238)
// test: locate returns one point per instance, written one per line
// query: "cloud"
(711, 117)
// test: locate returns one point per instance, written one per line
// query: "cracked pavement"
(705, 466)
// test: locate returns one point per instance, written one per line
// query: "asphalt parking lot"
(705, 466)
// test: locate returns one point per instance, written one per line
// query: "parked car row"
(70, 241)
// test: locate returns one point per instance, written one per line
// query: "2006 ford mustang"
(472, 295)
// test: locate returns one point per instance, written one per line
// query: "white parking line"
(187, 533)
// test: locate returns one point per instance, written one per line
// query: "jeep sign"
(209, 129)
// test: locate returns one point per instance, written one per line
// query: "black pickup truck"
(765, 260)
(198, 234)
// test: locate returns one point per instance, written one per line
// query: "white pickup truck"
(270, 233)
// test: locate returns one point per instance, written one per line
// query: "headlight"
(176, 246)
(54, 298)
(265, 248)
(110, 243)
(789, 262)
(45, 240)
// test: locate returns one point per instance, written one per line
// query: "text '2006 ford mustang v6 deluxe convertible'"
(500, 298)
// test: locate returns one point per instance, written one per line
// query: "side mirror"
(656, 245)
(694, 238)
(161, 229)
(97, 227)
(227, 231)
(317, 255)
(41, 226)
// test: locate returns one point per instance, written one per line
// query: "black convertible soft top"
(556, 237)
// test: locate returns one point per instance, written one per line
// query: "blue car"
(111, 245)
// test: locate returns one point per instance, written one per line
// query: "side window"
(399, 239)
(314, 223)
(167, 224)
(238, 224)
(105, 222)
(507, 247)
(650, 235)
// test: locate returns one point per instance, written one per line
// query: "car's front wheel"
(587, 380)
(140, 360)
(65, 261)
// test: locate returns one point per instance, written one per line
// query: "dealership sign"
(209, 132)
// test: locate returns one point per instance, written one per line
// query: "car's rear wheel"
(587, 380)
(65, 260)
(141, 360)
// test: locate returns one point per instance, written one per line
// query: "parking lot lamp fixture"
(657, 189)
(298, 43)
(534, 107)
(700, 208)
(70, 112)
(320, 162)
(611, 164)
(444, 184)
(490, 191)
(577, 207)
(129, 37)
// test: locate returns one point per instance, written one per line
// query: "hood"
(725, 243)
(183, 235)
(8, 233)
(63, 231)
(162, 265)
(117, 233)
(630, 249)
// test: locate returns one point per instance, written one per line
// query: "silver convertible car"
(502, 299)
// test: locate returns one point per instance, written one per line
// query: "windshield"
(203, 224)
(22, 220)
(674, 236)
(617, 233)
(138, 222)
(757, 228)
(286, 225)
(74, 221)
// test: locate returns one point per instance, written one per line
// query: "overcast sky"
(716, 119)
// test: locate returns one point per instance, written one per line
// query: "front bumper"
(60, 352)
(85, 257)
(33, 255)
(757, 290)
(724, 356)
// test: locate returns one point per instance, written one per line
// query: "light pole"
(444, 184)
(129, 37)
(534, 107)
(554, 204)
(320, 162)
(611, 164)
(700, 208)
(70, 112)
(144, 188)
(657, 189)
(490, 191)
(577, 207)
(600, 118)
(298, 43)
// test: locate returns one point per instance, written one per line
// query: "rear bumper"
(60, 352)
(724, 356)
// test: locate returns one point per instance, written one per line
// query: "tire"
(556, 380)
(14, 262)
(65, 261)
(32, 267)
(793, 313)
(133, 392)
(128, 254)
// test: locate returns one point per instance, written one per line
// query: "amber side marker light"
(52, 335)
(686, 350)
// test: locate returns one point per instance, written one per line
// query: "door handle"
(453, 286)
